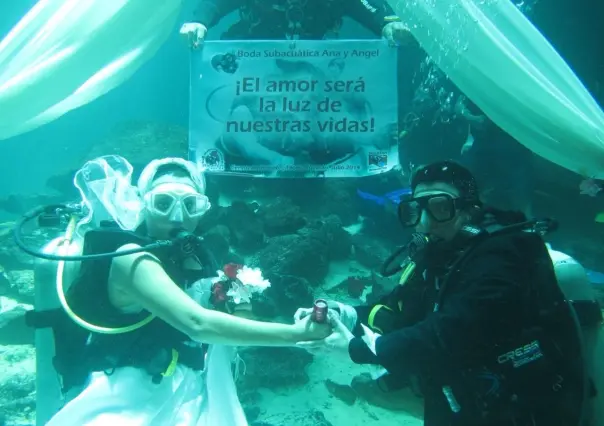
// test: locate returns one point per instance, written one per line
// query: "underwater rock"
(13, 258)
(331, 234)
(296, 418)
(22, 284)
(273, 368)
(338, 197)
(369, 252)
(286, 294)
(216, 240)
(17, 384)
(14, 330)
(245, 226)
(294, 263)
(298, 255)
(280, 217)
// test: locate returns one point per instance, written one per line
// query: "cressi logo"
(368, 6)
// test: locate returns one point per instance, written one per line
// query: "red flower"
(231, 269)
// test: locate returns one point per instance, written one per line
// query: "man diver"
(293, 19)
(479, 318)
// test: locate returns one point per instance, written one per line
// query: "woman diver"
(160, 373)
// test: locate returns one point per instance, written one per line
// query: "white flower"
(252, 277)
(240, 293)
(248, 282)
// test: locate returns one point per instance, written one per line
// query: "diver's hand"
(302, 313)
(194, 33)
(397, 33)
(308, 330)
(336, 343)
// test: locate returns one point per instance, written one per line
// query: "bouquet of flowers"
(237, 283)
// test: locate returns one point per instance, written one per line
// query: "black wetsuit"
(445, 336)
(303, 19)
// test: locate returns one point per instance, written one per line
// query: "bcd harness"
(519, 370)
(144, 341)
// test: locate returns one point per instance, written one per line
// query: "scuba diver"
(495, 328)
(139, 336)
(293, 20)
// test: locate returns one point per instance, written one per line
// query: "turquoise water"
(319, 233)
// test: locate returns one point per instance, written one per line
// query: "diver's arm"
(402, 307)
(470, 318)
(210, 12)
(372, 14)
(142, 277)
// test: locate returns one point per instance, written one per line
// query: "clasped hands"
(330, 337)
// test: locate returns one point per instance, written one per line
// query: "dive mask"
(440, 207)
(165, 198)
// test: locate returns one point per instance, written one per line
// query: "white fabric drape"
(492, 52)
(66, 53)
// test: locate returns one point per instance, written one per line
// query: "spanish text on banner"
(283, 109)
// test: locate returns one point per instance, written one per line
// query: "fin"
(599, 217)
(395, 195)
(370, 197)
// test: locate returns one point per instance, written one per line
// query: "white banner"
(284, 109)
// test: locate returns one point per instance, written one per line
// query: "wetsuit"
(303, 19)
(453, 334)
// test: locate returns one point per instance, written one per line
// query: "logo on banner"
(213, 160)
(377, 160)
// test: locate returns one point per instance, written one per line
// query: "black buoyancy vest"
(153, 347)
(541, 364)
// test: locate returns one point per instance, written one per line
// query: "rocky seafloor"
(311, 239)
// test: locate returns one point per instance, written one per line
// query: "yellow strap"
(407, 272)
(372, 315)
(405, 276)
(172, 367)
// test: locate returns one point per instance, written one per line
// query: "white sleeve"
(348, 315)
